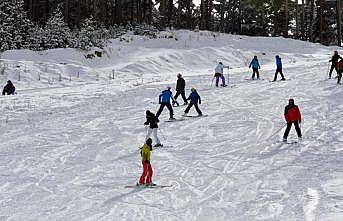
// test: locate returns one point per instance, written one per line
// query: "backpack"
(340, 65)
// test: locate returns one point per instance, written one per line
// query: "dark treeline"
(34, 24)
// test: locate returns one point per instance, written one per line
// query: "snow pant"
(196, 108)
(288, 128)
(146, 176)
(278, 70)
(182, 93)
(218, 75)
(339, 73)
(333, 66)
(255, 70)
(153, 131)
(170, 108)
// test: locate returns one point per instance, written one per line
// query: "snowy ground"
(69, 147)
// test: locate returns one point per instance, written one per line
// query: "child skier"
(255, 66)
(164, 100)
(9, 88)
(219, 73)
(152, 121)
(194, 100)
(146, 177)
(292, 116)
(334, 62)
(278, 68)
(180, 89)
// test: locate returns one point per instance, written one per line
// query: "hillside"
(70, 145)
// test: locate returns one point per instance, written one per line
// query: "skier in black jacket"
(9, 88)
(180, 89)
(334, 62)
(152, 120)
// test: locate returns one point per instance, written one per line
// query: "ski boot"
(158, 145)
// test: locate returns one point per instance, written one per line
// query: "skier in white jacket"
(219, 73)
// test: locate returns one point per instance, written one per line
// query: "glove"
(146, 123)
(147, 161)
(199, 102)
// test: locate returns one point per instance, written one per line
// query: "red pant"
(147, 173)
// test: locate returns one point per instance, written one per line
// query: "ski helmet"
(179, 75)
(291, 101)
(220, 62)
(149, 141)
(193, 89)
(336, 52)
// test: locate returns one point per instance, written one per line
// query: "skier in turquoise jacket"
(255, 66)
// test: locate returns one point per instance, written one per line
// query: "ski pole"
(277, 131)
(327, 73)
(228, 76)
(212, 81)
(162, 134)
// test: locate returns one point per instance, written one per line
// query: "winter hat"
(193, 89)
(255, 57)
(291, 101)
(149, 141)
(277, 56)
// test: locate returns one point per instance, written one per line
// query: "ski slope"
(69, 147)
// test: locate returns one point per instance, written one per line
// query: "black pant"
(182, 95)
(289, 125)
(255, 70)
(170, 108)
(333, 66)
(196, 108)
(278, 70)
(339, 77)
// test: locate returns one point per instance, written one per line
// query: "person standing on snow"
(292, 116)
(278, 68)
(180, 89)
(334, 62)
(194, 100)
(255, 66)
(152, 121)
(164, 100)
(9, 88)
(146, 177)
(219, 73)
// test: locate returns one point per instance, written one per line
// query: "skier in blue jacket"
(278, 68)
(164, 100)
(194, 100)
(255, 66)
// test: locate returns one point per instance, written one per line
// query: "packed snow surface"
(70, 138)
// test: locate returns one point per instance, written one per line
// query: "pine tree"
(58, 34)
(89, 36)
(15, 26)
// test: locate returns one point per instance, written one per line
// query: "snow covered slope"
(69, 146)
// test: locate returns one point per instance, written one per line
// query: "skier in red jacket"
(292, 116)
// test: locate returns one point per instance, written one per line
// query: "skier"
(292, 116)
(180, 89)
(278, 68)
(255, 66)
(152, 120)
(334, 62)
(9, 88)
(219, 73)
(194, 100)
(339, 71)
(164, 100)
(146, 177)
